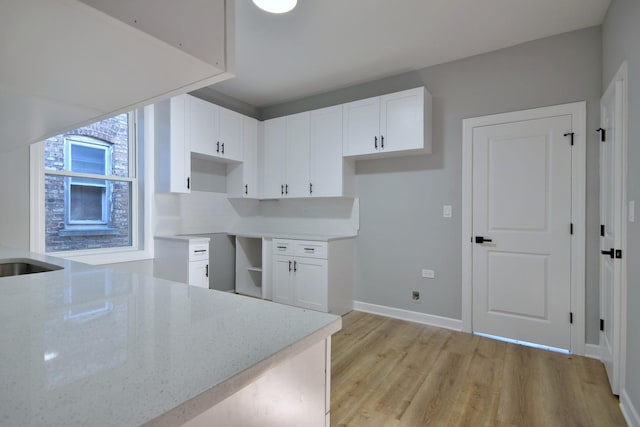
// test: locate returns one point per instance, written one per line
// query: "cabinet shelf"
(249, 266)
(255, 269)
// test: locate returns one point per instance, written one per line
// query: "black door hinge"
(602, 324)
(571, 229)
(571, 317)
(571, 135)
(602, 230)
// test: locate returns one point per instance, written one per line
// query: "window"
(90, 188)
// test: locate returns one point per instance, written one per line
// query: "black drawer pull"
(200, 250)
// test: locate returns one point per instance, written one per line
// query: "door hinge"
(618, 253)
(602, 324)
(571, 229)
(601, 230)
(571, 135)
(571, 317)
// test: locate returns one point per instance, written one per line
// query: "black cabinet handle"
(223, 148)
(282, 189)
(200, 250)
(381, 141)
(310, 188)
(309, 249)
(603, 134)
(375, 142)
(482, 239)
(281, 247)
(610, 252)
(218, 147)
(246, 189)
(188, 182)
(289, 265)
(206, 272)
(295, 266)
(286, 189)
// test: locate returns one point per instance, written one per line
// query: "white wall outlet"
(429, 274)
(632, 211)
(446, 211)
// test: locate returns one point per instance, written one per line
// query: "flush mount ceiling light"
(276, 6)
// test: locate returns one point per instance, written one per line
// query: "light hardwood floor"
(388, 372)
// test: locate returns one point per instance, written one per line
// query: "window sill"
(81, 231)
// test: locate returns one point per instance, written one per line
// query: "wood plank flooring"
(388, 372)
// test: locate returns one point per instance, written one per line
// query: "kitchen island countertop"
(91, 345)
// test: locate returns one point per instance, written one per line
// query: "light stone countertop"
(94, 346)
(292, 236)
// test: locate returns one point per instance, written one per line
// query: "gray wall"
(14, 196)
(401, 226)
(621, 41)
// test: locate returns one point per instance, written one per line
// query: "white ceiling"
(324, 45)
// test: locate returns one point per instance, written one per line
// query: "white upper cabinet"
(390, 125)
(173, 154)
(297, 155)
(274, 158)
(330, 175)
(215, 131)
(242, 177)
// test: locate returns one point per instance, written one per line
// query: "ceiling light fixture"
(276, 6)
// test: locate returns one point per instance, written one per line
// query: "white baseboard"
(628, 410)
(411, 316)
(593, 351)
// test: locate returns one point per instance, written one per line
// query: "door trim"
(578, 208)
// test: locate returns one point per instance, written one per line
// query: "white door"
(310, 283)
(203, 125)
(230, 134)
(199, 274)
(401, 120)
(611, 218)
(325, 160)
(297, 157)
(250, 157)
(521, 274)
(282, 280)
(361, 133)
(273, 172)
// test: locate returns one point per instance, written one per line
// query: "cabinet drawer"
(198, 251)
(310, 249)
(281, 247)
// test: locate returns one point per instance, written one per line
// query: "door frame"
(577, 111)
(622, 77)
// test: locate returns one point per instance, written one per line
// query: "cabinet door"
(282, 280)
(361, 131)
(274, 173)
(230, 135)
(203, 126)
(310, 283)
(402, 120)
(199, 274)
(250, 157)
(325, 152)
(297, 156)
(173, 158)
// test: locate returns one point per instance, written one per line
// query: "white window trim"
(95, 256)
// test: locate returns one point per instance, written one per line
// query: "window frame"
(141, 187)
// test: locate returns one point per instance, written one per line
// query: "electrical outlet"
(429, 274)
(446, 211)
(415, 295)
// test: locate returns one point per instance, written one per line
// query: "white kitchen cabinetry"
(286, 157)
(313, 275)
(214, 130)
(330, 174)
(390, 125)
(242, 177)
(173, 152)
(182, 259)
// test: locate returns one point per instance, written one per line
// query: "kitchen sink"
(17, 267)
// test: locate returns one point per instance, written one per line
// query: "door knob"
(610, 252)
(482, 239)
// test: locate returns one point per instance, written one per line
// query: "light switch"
(446, 211)
(632, 211)
(429, 274)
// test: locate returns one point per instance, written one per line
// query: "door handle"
(375, 142)
(206, 273)
(223, 148)
(610, 252)
(482, 239)
(381, 142)
(246, 189)
(282, 190)
(295, 266)
(218, 147)
(286, 189)
(289, 266)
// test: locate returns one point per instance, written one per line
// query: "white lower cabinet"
(313, 275)
(182, 259)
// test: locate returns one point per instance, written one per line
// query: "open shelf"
(249, 266)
